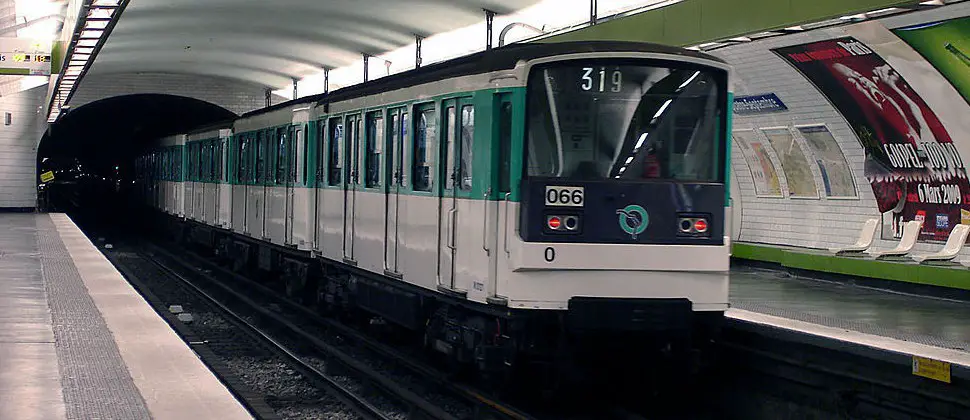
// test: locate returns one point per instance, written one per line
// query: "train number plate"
(565, 196)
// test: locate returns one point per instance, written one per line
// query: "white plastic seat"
(865, 238)
(954, 243)
(910, 235)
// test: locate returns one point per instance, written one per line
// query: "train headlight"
(564, 223)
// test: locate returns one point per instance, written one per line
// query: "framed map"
(766, 183)
(836, 175)
(798, 172)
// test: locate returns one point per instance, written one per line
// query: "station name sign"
(24, 57)
(758, 104)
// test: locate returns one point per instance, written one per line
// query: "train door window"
(372, 160)
(505, 147)
(335, 155)
(449, 148)
(466, 143)
(353, 146)
(322, 151)
(424, 135)
(281, 157)
(241, 163)
(260, 150)
(404, 150)
(293, 151)
(301, 149)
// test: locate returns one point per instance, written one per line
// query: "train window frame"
(374, 137)
(430, 147)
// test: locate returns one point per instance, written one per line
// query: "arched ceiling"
(272, 42)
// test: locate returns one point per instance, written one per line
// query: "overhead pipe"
(507, 28)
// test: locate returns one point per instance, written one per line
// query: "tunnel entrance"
(91, 150)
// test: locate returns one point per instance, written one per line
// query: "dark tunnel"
(91, 149)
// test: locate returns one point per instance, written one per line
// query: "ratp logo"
(633, 220)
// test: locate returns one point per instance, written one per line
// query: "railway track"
(415, 391)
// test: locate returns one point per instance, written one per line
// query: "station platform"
(903, 270)
(77, 341)
(842, 315)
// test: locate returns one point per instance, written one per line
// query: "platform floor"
(926, 322)
(77, 341)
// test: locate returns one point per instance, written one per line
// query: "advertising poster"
(763, 172)
(946, 45)
(836, 175)
(801, 182)
(914, 169)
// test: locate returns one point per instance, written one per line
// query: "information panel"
(24, 57)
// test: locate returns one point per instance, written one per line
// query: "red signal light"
(554, 222)
(700, 225)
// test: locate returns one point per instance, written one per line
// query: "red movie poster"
(911, 162)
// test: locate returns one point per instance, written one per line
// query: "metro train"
(511, 206)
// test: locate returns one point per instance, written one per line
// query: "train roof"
(482, 62)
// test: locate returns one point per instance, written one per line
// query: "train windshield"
(600, 120)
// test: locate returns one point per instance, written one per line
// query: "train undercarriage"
(598, 341)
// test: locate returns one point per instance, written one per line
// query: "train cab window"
(505, 148)
(466, 145)
(335, 155)
(374, 138)
(424, 135)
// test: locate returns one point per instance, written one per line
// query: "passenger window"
(505, 147)
(467, 147)
(424, 135)
(335, 161)
(375, 136)
(404, 150)
(450, 148)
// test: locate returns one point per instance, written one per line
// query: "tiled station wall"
(18, 146)
(815, 223)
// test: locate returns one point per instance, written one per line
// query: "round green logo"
(633, 220)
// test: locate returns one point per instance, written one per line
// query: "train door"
(448, 196)
(352, 165)
(294, 146)
(501, 165)
(395, 161)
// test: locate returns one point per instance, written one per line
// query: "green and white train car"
(503, 203)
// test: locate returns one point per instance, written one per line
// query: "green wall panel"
(693, 22)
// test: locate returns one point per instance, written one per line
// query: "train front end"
(622, 208)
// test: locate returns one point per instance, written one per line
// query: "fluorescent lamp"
(660, 111)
